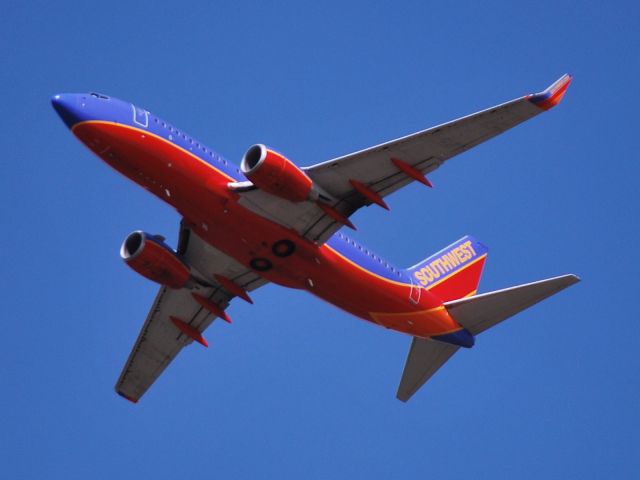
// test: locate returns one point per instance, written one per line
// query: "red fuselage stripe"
(199, 193)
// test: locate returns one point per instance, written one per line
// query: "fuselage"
(194, 180)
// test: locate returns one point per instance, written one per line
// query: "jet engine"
(275, 174)
(149, 256)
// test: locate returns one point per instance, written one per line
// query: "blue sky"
(294, 387)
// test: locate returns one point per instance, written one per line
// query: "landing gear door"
(140, 116)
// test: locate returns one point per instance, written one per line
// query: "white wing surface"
(161, 338)
(385, 168)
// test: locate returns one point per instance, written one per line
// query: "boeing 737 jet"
(271, 221)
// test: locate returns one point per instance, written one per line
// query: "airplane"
(272, 221)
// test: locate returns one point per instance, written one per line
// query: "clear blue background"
(295, 388)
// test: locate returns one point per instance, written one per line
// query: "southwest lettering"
(433, 273)
(446, 263)
(436, 264)
(470, 245)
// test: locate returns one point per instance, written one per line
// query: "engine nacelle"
(273, 173)
(152, 258)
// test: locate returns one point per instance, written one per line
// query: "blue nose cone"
(68, 106)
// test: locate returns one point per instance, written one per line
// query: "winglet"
(550, 97)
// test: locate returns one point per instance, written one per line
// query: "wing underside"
(385, 168)
(160, 339)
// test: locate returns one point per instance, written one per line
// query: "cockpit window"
(99, 95)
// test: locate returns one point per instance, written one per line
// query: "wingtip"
(552, 96)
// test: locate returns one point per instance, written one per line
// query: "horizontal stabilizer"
(476, 314)
(424, 359)
(480, 312)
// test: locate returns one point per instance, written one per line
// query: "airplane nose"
(67, 106)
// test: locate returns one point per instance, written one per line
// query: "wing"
(367, 176)
(177, 318)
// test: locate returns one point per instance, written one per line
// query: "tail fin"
(476, 314)
(454, 272)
